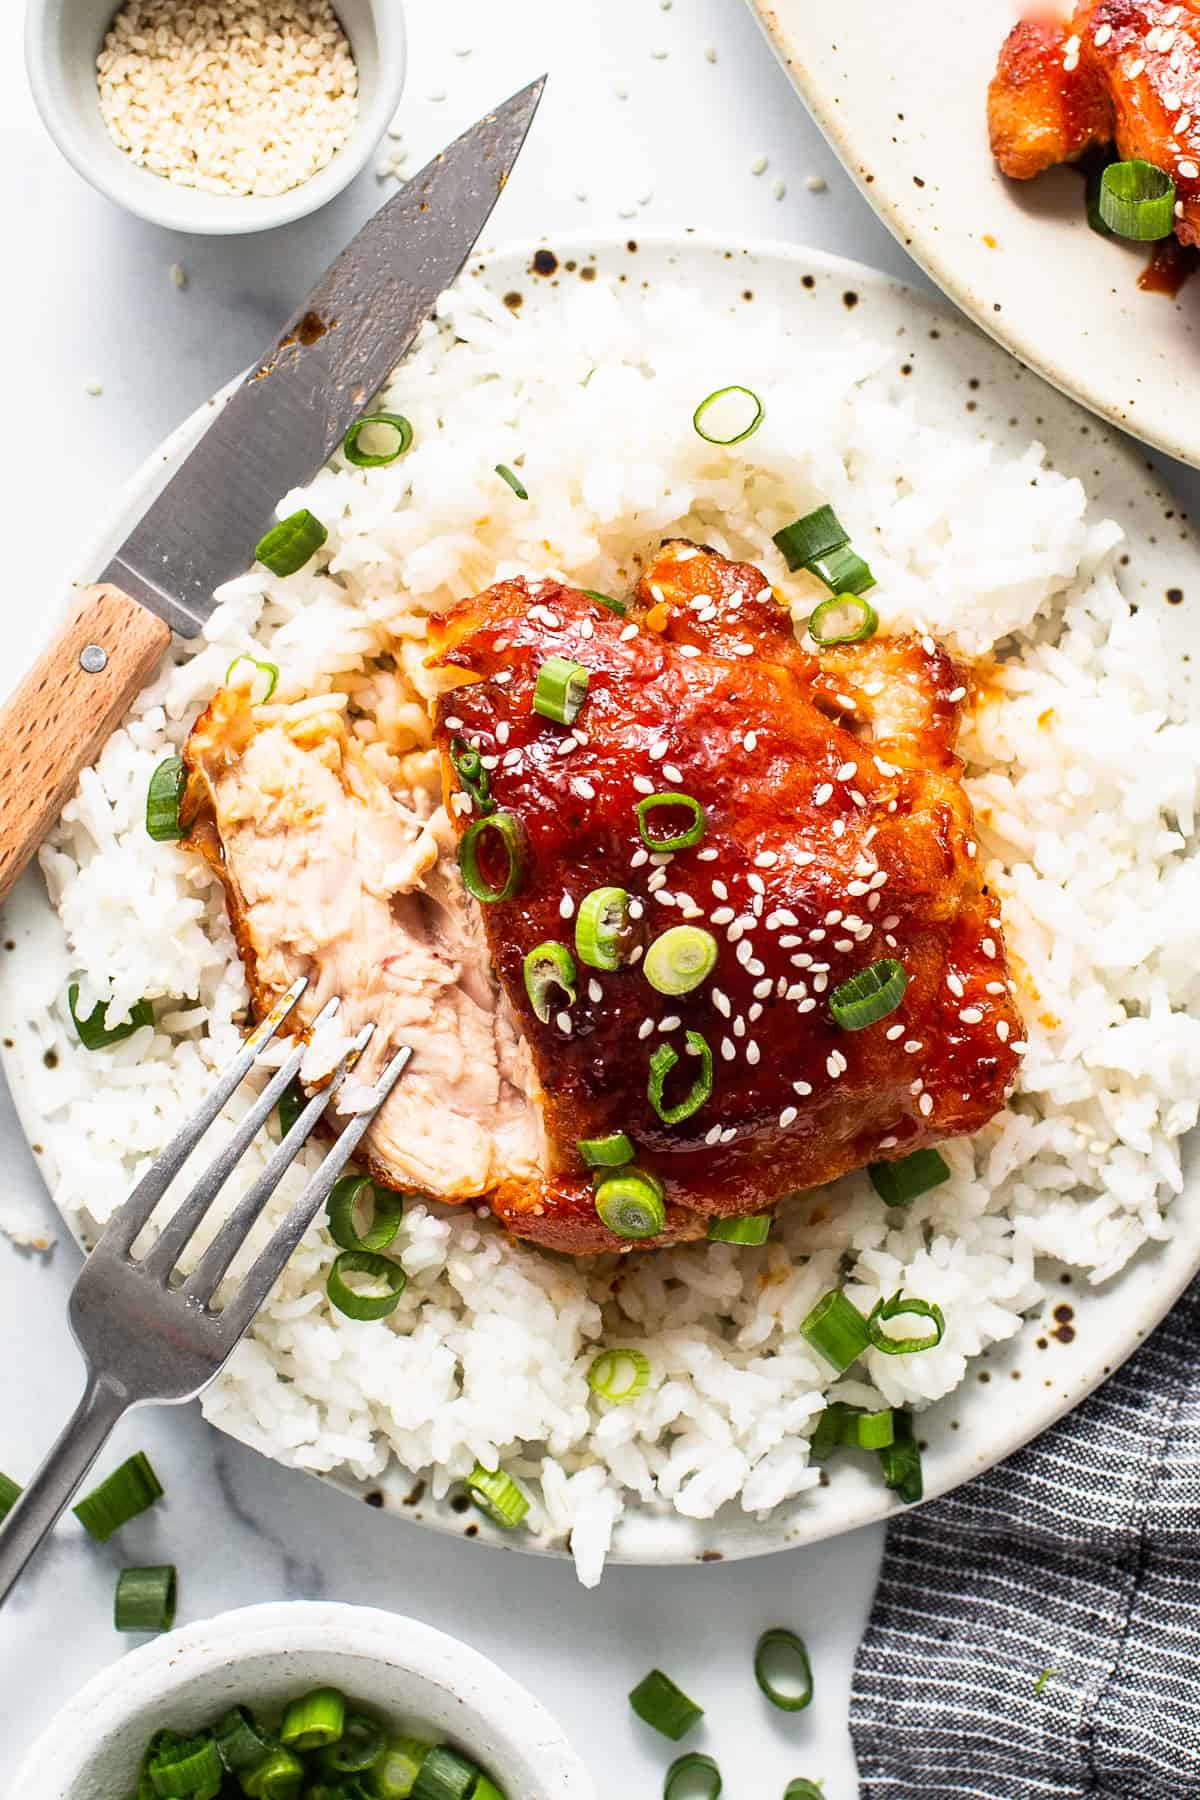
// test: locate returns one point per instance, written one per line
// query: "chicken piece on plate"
(1123, 72)
(328, 876)
(822, 829)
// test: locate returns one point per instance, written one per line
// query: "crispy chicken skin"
(1120, 71)
(837, 832)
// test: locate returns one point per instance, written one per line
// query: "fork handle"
(36, 1512)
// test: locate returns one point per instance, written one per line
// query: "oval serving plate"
(960, 380)
(905, 109)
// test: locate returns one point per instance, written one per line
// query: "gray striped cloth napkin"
(1038, 1631)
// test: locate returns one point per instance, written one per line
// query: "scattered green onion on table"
(145, 1599)
(692, 1776)
(10, 1493)
(658, 1701)
(124, 1494)
(782, 1669)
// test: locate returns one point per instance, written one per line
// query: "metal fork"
(147, 1339)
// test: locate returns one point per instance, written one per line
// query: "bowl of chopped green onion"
(304, 1699)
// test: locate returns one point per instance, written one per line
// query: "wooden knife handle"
(62, 712)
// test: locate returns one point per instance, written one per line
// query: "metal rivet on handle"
(93, 658)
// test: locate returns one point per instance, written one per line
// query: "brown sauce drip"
(1169, 267)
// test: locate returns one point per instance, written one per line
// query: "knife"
(274, 433)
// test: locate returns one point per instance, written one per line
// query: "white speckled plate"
(962, 381)
(901, 94)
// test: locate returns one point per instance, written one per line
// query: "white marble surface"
(87, 295)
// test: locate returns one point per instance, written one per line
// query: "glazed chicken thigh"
(1123, 72)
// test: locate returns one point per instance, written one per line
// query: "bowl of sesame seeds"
(217, 116)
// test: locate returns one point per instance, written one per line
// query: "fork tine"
(269, 1265)
(164, 1254)
(205, 1278)
(125, 1224)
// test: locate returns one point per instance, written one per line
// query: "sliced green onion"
(661, 1064)
(894, 1309)
(631, 1203)
(290, 544)
(386, 1277)
(658, 1701)
(869, 995)
(599, 926)
(468, 766)
(94, 1034)
(342, 1213)
(619, 1375)
(486, 1789)
(804, 1790)
(620, 607)
(901, 1461)
(753, 1228)
(898, 1182)
(506, 474)
(497, 1495)
(277, 1777)
(186, 1768)
(782, 1669)
(846, 619)
(145, 1599)
(827, 1432)
(740, 429)
(128, 1491)
(290, 1105)
(260, 690)
(362, 1742)
(836, 1329)
(508, 831)
(314, 1720)
(241, 1744)
(549, 966)
(560, 689)
(163, 798)
(392, 1775)
(10, 1493)
(680, 959)
(692, 1777)
(816, 534)
(842, 571)
(401, 436)
(682, 840)
(1137, 200)
(445, 1775)
(870, 1430)
(606, 1152)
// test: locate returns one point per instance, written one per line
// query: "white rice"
(1085, 785)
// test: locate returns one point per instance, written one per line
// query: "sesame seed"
(970, 1015)
(820, 983)
(720, 890)
(672, 773)
(672, 1022)
(756, 884)
(657, 751)
(454, 724)
(754, 1012)
(955, 985)
(1019, 1046)
(1002, 1030)
(627, 633)
(832, 1068)
(721, 1002)
(766, 859)
(823, 793)
(872, 902)
(723, 915)
(1136, 68)
(1072, 44)
(639, 859)
(925, 1105)
(788, 1116)
(916, 1087)
(595, 991)
(806, 1006)
(642, 785)
(566, 907)
(707, 855)
(728, 1049)
(730, 1131)
(587, 628)
(1102, 35)
(888, 1143)
(928, 645)
(657, 880)
(1189, 169)
(763, 988)
(750, 741)
(891, 922)
(563, 1021)
(839, 828)
(912, 1046)
(566, 747)
(797, 991)
(1180, 126)
(844, 700)
(689, 650)
(958, 693)
(646, 1028)
(712, 1135)
(752, 1052)
(664, 898)
(662, 859)
(842, 945)
(490, 762)
(636, 909)
(847, 772)
(994, 987)
(744, 953)
(857, 889)
(893, 1032)
(635, 955)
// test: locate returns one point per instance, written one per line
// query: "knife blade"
(310, 384)
(276, 430)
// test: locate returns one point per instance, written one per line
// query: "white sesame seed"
(842, 945)
(970, 1015)
(994, 987)
(721, 1002)
(1019, 1046)
(642, 785)
(763, 988)
(730, 1131)
(847, 772)
(627, 633)
(912, 1046)
(595, 991)
(755, 884)
(657, 751)
(955, 985)
(664, 898)
(823, 793)
(839, 828)
(566, 747)
(788, 1116)
(832, 1068)
(1002, 1030)
(752, 1052)
(1136, 68)
(672, 773)
(857, 889)
(728, 1049)
(925, 1104)
(636, 909)
(672, 1022)
(754, 1011)
(639, 859)
(707, 855)
(1102, 35)
(806, 1006)
(712, 1135)
(1189, 169)
(766, 859)
(893, 1032)
(744, 953)
(566, 907)
(646, 1028)
(820, 983)
(958, 693)
(888, 1143)
(563, 1021)
(723, 915)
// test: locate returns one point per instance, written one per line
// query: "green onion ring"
(445, 1775)
(277, 1777)
(289, 545)
(846, 619)
(816, 534)
(163, 797)
(682, 840)
(92, 1031)
(145, 1599)
(548, 966)
(362, 459)
(128, 1491)
(630, 1203)
(184, 1768)
(507, 829)
(658, 1701)
(751, 1228)
(362, 1741)
(836, 1330)
(269, 670)
(1137, 200)
(906, 1179)
(486, 1789)
(620, 607)
(606, 1152)
(387, 1209)
(900, 1463)
(738, 436)
(692, 1777)
(560, 689)
(316, 1719)
(619, 1375)
(599, 926)
(894, 1308)
(661, 1064)
(869, 995)
(801, 1789)
(843, 571)
(240, 1741)
(380, 1269)
(514, 482)
(680, 959)
(777, 1647)
(497, 1495)
(467, 764)
(392, 1775)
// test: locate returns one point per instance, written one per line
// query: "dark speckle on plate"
(544, 262)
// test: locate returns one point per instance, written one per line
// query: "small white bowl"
(62, 41)
(407, 1673)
